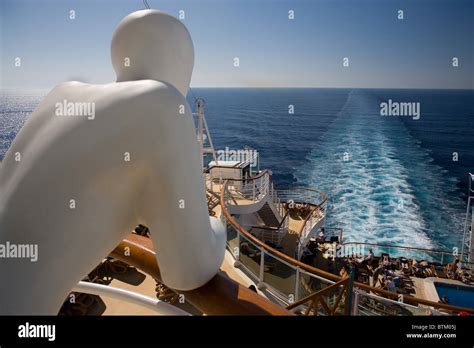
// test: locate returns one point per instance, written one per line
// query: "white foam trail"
(388, 191)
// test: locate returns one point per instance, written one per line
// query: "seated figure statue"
(94, 161)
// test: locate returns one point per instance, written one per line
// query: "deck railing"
(369, 304)
(317, 214)
(272, 234)
(314, 201)
(253, 189)
(441, 256)
(288, 280)
(327, 301)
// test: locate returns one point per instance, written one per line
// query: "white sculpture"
(93, 161)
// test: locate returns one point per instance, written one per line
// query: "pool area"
(458, 295)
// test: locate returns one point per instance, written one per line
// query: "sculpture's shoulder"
(127, 89)
(145, 93)
(149, 89)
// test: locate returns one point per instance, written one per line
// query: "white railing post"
(267, 184)
(355, 302)
(262, 265)
(253, 189)
(297, 285)
(237, 257)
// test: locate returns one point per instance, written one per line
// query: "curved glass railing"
(287, 280)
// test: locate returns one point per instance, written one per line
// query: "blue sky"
(383, 52)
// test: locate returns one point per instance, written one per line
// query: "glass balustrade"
(250, 255)
(288, 283)
(280, 276)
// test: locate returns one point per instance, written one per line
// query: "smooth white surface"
(160, 307)
(157, 45)
(64, 158)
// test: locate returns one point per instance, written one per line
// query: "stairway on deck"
(213, 199)
(268, 216)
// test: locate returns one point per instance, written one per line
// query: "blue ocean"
(392, 180)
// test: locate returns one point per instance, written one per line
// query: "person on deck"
(321, 237)
(444, 299)
(390, 285)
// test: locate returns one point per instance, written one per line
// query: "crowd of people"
(394, 273)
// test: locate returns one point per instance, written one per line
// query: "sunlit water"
(389, 179)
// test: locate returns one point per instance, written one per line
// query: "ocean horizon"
(391, 180)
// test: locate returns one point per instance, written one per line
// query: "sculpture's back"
(85, 180)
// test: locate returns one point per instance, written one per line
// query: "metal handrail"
(258, 176)
(256, 190)
(281, 229)
(440, 251)
(309, 219)
(158, 306)
(301, 188)
(313, 270)
(268, 248)
(363, 294)
(317, 293)
(271, 228)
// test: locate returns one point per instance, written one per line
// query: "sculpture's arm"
(189, 249)
(136, 162)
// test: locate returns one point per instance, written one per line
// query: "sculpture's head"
(150, 44)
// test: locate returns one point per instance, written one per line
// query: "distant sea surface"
(389, 180)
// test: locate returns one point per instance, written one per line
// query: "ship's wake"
(383, 187)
